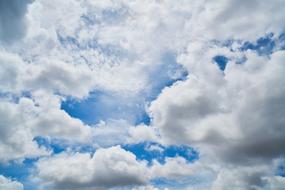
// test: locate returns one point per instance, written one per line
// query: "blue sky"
(142, 95)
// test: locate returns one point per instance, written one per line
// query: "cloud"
(230, 19)
(13, 24)
(276, 182)
(45, 118)
(235, 118)
(58, 76)
(8, 184)
(116, 132)
(16, 142)
(28, 118)
(48, 75)
(11, 68)
(175, 168)
(142, 133)
(128, 49)
(110, 167)
(148, 187)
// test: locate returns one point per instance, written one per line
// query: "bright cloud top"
(142, 95)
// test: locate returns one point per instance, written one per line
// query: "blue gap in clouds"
(14, 97)
(164, 183)
(44, 142)
(221, 61)
(280, 171)
(263, 46)
(105, 106)
(20, 172)
(166, 74)
(183, 183)
(58, 146)
(151, 150)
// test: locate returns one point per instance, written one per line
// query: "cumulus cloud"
(111, 167)
(58, 76)
(72, 48)
(41, 116)
(48, 75)
(47, 119)
(16, 142)
(236, 118)
(230, 19)
(8, 184)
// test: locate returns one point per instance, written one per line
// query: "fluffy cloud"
(16, 140)
(142, 133)
(177, 168)
(236, 118)
(47, 119)
(58, 76)
(71, 48)
(8, 184)
(48, 75)
(41, 116)
(230, 19)
(111, 167)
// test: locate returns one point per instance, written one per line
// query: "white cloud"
(148, 187)
(21, 122)
(58, 76)
(8, 184)
(16, 140)
(11, 68)
(178, 168)
(48, 75)
(236, 118)
(111, 133)
(110, 167)
(142, 133)
(232, 19)
(45, 118)
(74, 47)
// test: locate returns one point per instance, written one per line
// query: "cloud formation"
(111, 167)
(8, 184)
(201, 74)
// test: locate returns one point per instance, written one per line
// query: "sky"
(142, 95)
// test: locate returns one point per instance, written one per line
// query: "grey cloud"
(242, 122)
(12, 19)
